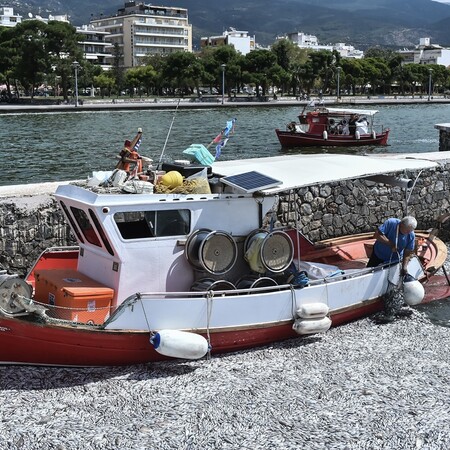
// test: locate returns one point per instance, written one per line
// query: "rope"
(138, 296)
(294, 301)
(209, 298)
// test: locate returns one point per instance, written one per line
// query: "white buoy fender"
(180, 344)
(413, 292)
(374, 134)
(312, 311)
(312, 326)
(325, 135)
(357, 135)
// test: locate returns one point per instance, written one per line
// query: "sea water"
(40, 147)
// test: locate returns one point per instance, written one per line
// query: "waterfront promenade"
(95, 104)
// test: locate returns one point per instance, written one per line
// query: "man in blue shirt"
(394, 240)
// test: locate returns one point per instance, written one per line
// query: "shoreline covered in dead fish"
(359, 386)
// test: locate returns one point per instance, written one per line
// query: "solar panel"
(251, 181)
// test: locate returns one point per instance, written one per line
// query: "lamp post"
(338, 68)
(430, 71)
(223, 81)
(76, 66)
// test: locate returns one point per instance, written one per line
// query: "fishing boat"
(197, 268)
(335, 127)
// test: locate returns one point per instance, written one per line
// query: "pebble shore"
(358, 386)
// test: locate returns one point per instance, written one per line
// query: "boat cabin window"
(85, 225)
(72, 223)
(101, 232)
(145, 224)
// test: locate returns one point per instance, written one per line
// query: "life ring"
(325, 135)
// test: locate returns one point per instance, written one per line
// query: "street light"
(339, 68)
(223, 81)
(76, 66)
(430, 71)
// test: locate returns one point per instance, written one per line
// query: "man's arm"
(383, 239)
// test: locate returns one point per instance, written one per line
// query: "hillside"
(396, 23)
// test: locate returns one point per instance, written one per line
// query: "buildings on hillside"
(240, 40)
(426, 53)
(139, 30)
(311, 42)
(8, 18)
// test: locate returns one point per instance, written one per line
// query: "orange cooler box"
(76, 296)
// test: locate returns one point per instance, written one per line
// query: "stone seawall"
(30, 220)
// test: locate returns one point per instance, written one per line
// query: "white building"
(240, 40)
(309, 41)
(140, 30)
(426, 53)
(95, 47)
(8, 18)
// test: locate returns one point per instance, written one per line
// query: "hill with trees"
(390, 23)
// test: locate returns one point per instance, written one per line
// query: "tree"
(258, 65)
(8, 56)
(377, 73)
(289, 57)
(353, 73)
(105, 82)
(62, 49)
(183, 70)
(31, 63)
(117, 70)
(140, 77)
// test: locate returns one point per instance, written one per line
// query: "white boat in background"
(195, 269)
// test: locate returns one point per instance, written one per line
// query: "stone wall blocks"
(325, 191)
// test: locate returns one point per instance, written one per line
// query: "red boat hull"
(31, 343)
(295, 139)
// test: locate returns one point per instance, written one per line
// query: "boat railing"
(87, 315)
(52, 253)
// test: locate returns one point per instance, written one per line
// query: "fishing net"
(393, 299)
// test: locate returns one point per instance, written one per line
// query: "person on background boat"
(352, 124)
(130, 159)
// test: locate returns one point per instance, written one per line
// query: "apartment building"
(141, 30)
(240, 40)
(94, 45)
(426, 53)
(8, 18)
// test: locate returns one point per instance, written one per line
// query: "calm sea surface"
(38, 147)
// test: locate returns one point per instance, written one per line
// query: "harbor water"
(39, 147)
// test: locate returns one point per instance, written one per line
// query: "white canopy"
(361, 112)
(294, 171)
